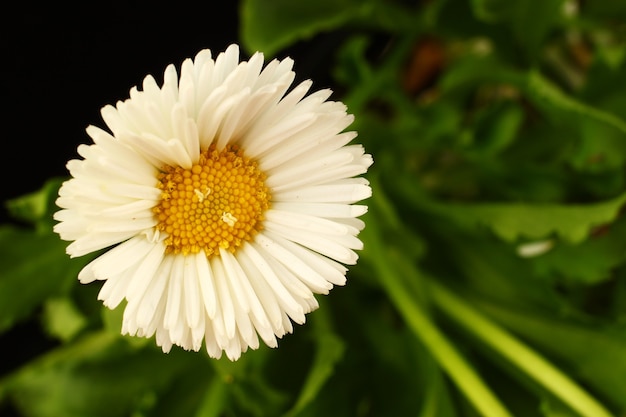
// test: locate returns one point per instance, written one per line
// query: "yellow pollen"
(218, 203)
(229, 219)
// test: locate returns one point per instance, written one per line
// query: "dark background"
(62, 64)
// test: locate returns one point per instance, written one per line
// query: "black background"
(62, 64)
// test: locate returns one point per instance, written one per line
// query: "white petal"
(294, 264)
(285, 298)
(327, 210)
(186, 132)
(332, 271)
(205, 280)
(225, 297)
(191, 293)
(116, 260)
(335, 247)
(225, 63)
(145, 273)
(113, 291)
(154, 298)
(306, 145)
(278, 133)
(173, 311)
(252, 307)
(212, 348)
(345, 191)
(315, 170)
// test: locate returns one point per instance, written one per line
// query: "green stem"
(388, 267)
(213, 402)
(443, 351)
(517, 353)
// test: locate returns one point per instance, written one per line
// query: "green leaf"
(269, 26)
(529, 20)
(593, 352)
(329, 351)
(34, 267)
(587, 263)
(36, 207)
(598, 10)
(474, 71)
(511, 221)
(214, 399)
(552, 100)
(553, 408)
(100, 375)
(491, 267)
(248, 390)
(497, 128)
(493, 10)
(62, 319)
(254, 396)
(602, 147)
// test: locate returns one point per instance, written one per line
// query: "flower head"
(225, 200)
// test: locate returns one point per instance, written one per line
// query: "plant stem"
(391, 270)
(462, 373)
(517, 353)
(442, 350)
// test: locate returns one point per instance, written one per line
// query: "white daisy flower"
(226, 200)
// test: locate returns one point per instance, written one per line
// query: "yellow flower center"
(218, 203)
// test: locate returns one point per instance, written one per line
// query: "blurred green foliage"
(493, 279)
